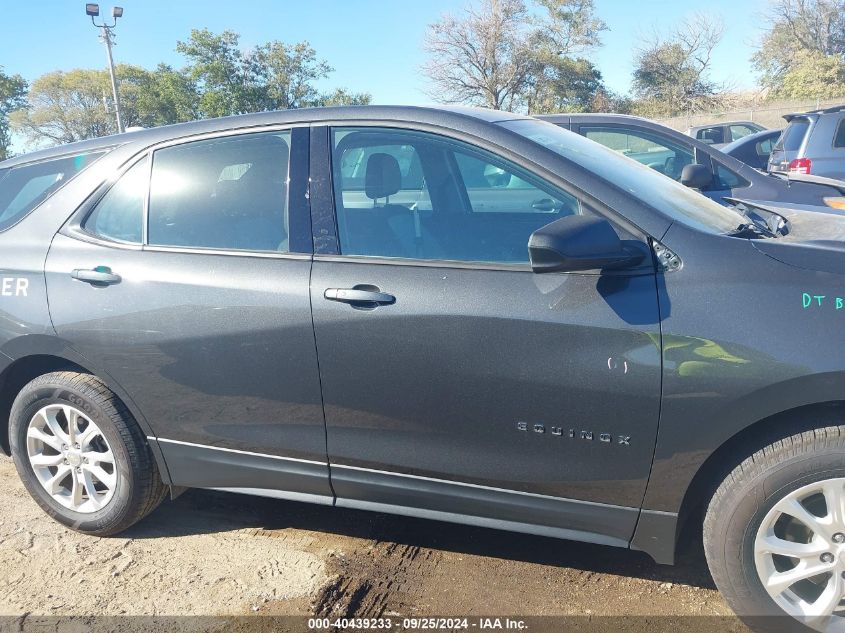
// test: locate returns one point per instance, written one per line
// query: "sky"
(375, 46)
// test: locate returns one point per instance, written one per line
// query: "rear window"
(24, 188)
(793, 135)
(839, 139)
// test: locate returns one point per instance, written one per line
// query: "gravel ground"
(212, 553)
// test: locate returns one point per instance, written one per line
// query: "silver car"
(812, 143)
(720, 134)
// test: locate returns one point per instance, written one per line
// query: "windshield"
(664, 194)
(25, 187)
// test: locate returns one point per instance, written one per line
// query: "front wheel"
(774, 532)
(81, 455)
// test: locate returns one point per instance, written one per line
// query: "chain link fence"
(766, 113)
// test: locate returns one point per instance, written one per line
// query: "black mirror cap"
(696, 176)
(579, 242)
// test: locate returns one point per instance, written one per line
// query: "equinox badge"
(589, 436)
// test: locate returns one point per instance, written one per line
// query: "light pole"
(117, 12)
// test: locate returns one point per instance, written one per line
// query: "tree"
(482, 58)
(813, 26)
(565, 85)
(562, 79)
(12, 96)
(63, 107)
(158, 97)
(812, 75)
(342, 97)
(222, 76)
(501, 55)
(219, 80)
(273, 76)
(671, 72)
(567, 27)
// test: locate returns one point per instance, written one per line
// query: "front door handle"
(99, 276)
(362, 296)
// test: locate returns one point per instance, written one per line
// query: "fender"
(680, 455)
(23, 347)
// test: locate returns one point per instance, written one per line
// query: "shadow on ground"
(201, 511)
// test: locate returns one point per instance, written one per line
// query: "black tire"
(741, 503)
(139, 488)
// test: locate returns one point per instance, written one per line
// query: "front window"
(24, 187)
(663, 194)
(413, 195)
(764, 148)
(740, 131)
(656, 152)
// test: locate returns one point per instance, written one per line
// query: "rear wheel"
(774, 532)
(81, 455)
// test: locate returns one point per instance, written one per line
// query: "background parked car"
(693, 163)
(724, 133)
(812, 143)
(754, 149)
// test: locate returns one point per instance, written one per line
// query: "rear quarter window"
(839, 139)
(24, 187)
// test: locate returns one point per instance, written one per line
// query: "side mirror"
(579, 242)
(696, 176)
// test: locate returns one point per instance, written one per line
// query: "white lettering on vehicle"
(14, 287)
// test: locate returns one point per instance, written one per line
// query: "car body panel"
(819, 130)
(754, 149)
(216, 355)
(485, 355)
(735, 372)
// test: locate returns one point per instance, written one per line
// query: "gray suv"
(812, 143)
(462, 315)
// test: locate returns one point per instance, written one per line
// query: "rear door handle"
(99, 276)
(360, 296)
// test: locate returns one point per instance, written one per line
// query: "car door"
(192, 295)
(455, 380)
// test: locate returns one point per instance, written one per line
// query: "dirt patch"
(211, 553)
(186, 560)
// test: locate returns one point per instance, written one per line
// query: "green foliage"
(565, 85)
(219, 80)
(342, 97)
(63, 107)
(273, 76)
(816, 26)
(812, 75)
(159, 97)
(671, 73)
(803, 35)
(501, 55)
(12, 96)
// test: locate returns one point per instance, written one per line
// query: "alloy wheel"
(71, 458)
